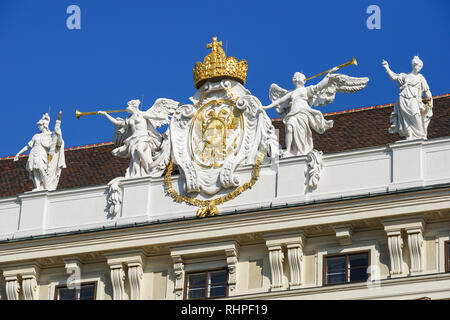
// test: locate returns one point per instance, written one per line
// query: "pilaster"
(12, 287)
(413, 228)
(129, 263)
(118, 281)
(293, 243)
(178, 269)
(414, 233)
(22, 278)
(33, 213)
(407, 164)
(135, 201)
(232, 263)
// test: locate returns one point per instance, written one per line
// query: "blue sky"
(135, 48)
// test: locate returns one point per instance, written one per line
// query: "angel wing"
(275, 93)
(120, 133)
(336, 83)
(161, 110)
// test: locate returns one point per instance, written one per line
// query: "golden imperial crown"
(217, 66)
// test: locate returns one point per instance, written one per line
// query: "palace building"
(375, 224)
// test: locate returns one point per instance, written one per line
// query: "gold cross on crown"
(214, 44)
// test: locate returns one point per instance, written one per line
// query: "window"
(345, 268)
(447, 256)
(206, 284)
(86, 291)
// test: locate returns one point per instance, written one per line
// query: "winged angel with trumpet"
(136, 137)
(294, 107)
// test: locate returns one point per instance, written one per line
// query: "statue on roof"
(295, 106)
(136, 137)
(46, 159)
(411, 115)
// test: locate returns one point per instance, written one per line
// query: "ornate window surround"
(442, 241)
(185, 289)
(198, 257)
(372, 248)
(95, 283)
(99, 281)
(324, 257)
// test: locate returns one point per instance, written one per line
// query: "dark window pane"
(196, 293)
(448, 255)
(87, 292)
(218, 277)
(358, 260)
(218, 291)
(197, 280)
(336, 278)
(66, 294)
(335, 263)
(358, 267)
(358, 274)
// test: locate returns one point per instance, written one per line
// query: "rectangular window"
(206, 284)
(86, 291)
(345, 268)
(447, 256)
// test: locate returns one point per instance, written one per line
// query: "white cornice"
(228, 225)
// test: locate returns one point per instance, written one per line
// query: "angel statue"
(411, 115)
(294, 107)
(46, 159)
(136, 137)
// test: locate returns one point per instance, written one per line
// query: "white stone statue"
(294, 107)
(136, 136)
(46, 159)
(411, 115)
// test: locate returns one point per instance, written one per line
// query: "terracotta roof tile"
(353, 129)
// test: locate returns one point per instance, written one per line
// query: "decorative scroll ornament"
(114, 196)
(314, 170)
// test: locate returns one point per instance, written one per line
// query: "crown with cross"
(217, 66)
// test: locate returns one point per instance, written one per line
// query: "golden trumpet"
(353, 61)
(79, 114)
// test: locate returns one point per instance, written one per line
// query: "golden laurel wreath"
(209, 207)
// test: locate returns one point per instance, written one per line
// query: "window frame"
(346, 254)
(62, 286)
(206, 271)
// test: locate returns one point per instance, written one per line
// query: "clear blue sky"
(129, 49)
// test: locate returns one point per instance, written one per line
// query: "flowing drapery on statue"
(411, 116)
(136, 137)
(46, 158)
(294, 107)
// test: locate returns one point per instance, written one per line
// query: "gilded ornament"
(217, 65)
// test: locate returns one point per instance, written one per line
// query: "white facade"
(392, 201)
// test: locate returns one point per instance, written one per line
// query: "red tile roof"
(353, 129)
(368, 127)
